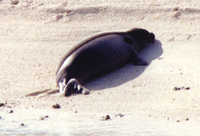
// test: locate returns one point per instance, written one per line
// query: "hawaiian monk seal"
(99, 55)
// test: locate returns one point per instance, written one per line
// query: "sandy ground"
(35, 34)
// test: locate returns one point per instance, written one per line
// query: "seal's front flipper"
(136, 59)
(74, 87)
(139, 61)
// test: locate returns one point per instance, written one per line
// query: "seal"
(99, 55)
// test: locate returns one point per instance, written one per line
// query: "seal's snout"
(151, 38)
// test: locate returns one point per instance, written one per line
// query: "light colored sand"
(34, 35)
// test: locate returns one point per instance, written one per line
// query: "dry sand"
(35, 34)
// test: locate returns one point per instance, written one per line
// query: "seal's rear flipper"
(73, 87)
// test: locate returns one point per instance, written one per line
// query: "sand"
(35, 34)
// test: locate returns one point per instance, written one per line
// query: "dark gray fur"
(99, 55)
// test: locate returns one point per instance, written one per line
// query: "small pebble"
(20, 125)
(121, 115)
(178, 121)
(2, 104)
(107, 117)
(41, 118)
(75, 111)
(176, 88)
(56, 106)
(189, 37)
(176, 9)
(187, 88)
(14, 2)
(181, 88)
(187, 119)
(10, 111)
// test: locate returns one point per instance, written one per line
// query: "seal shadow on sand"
(128, 72)
(117, 77)
(47, 91)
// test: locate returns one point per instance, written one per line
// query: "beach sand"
(35, 34)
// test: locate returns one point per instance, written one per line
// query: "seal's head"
(71, 87)
(142, 36)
